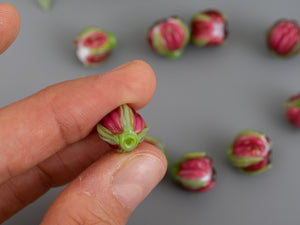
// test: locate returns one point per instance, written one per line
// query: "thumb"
(108, 191)
(9, 25)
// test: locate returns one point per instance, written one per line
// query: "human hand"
(49, 139)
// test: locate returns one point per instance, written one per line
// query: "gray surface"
(202, 100)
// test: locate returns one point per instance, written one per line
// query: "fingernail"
(121, 66)
(136, 178)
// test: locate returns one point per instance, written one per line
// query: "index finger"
(35, 128)
(9, 25)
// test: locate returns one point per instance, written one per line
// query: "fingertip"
(9, 25)
(138, 175)
(143, 66)
(148, 78)
(151, 149)
(118, 182)
(139, 83)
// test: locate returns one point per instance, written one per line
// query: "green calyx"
(267, 167)
(128, 140)
(175, 171)
(194, 184)
(295, 103)
(45, 5)
(107, 136)
(192, 155)
(250, 132)
(112, 39)
(174, 55)
(200, 43)
(200, 16)
(241, 162)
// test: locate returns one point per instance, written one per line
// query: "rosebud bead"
(168, 37)
(195, 172)
(123, 128)
(94, 46)
(283, 38)
(292, 110)
(250, 152)
(209, 28)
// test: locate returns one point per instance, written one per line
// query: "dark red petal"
(112, 122)
(173, 35)
(96, 59)
(196, 168)
(214, 14)
(249, 145)
(201, 29)
(293, 115)
(95, 40)
(139, 123)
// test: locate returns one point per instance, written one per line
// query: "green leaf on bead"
(267, 167)
(174, 55)
(192, 155)
(194, 184)
(200, 43)
(129, 140)
(112, 39)
(295, 103)
(45, 5)
(240, 161)
(175, 171)
(201, 16)
(158, 45)
(106, 135)
(250, 132)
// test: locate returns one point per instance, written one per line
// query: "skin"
(62, 146)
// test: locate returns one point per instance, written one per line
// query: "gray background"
(202, 100)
